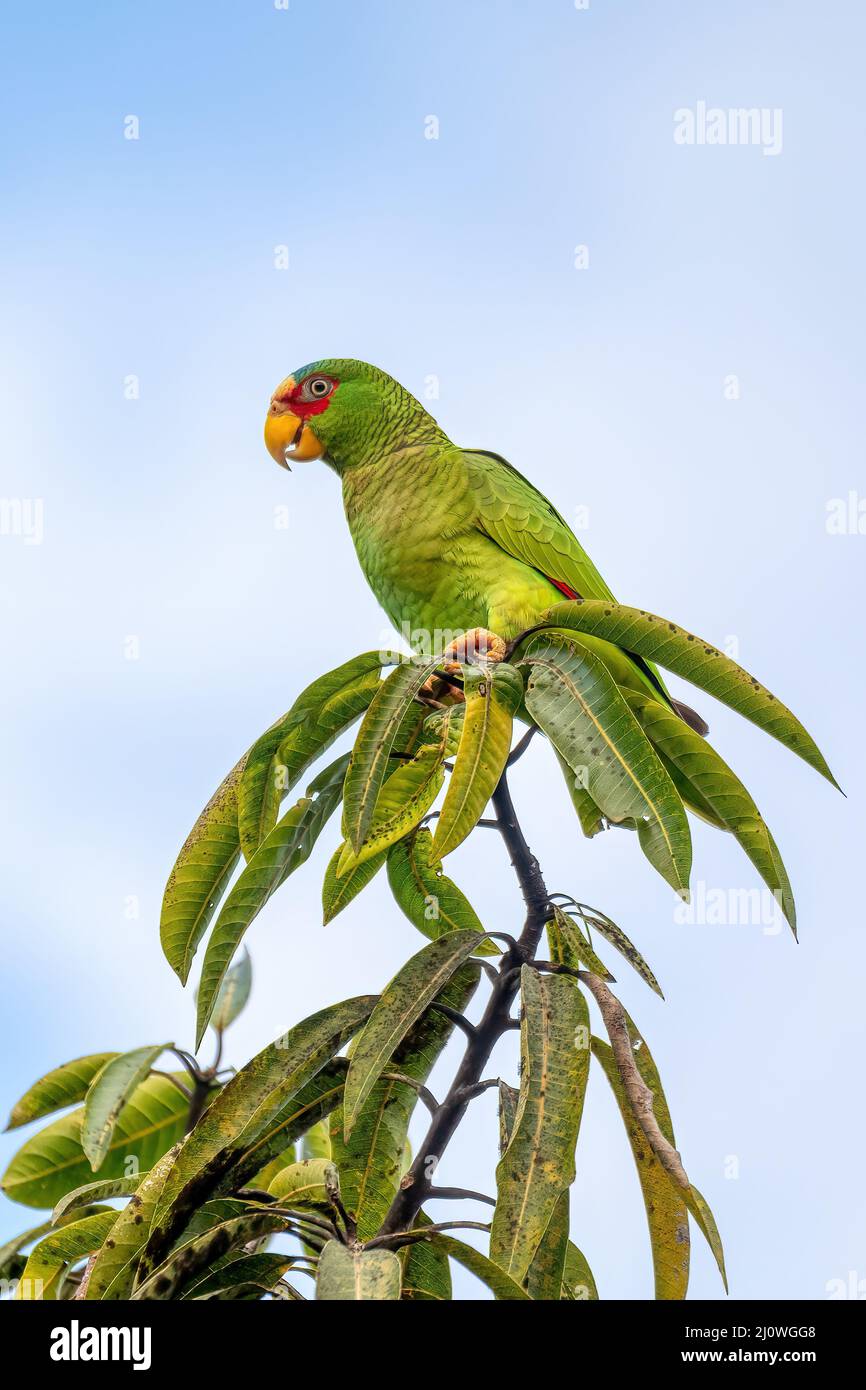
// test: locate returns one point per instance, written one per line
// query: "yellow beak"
(287, 437)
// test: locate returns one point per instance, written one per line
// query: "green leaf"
(63, 1086)
(248, 1109)
(546, 1273)
(282, 755)
(289, 845)
(189, 1259)
(433, 903)
(696, 767)
(357, 1275)
(235, 1270)
(317, 1141)
(52, 1162)
(108, 1094)
(590, 817)
(538, 1165)
(48, 1261)
(245, 1164)
(492, 697)
(233, 993)
(706, 1224)
(12, 1261)
(374, 743)
(115, 1268)
(617, 938)
(666, 1213)
(201, 871)
(404, 800)
(99, 1191)
(576, 702)
(372, 1161)
(304, 1184)
(657, 639)
(578, 1283)
(337, 893)
(403, 1001)
(426, 1272)
(500, 1284)
(509, 1099)
(568, 946)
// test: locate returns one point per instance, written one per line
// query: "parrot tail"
(692, 718)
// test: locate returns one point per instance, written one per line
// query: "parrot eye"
(318, 387)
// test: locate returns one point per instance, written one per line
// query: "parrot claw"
(478, 647)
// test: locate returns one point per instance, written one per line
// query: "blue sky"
(693, 392)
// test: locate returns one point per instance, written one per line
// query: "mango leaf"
(247, 1162)
(405, 798)
(544, 1278)
(337, 893)
(569, 946)
(282, 755)
(263, 1270)
(576, 702)
(289, 845)
(509, 1099)
(706, 1224)
(63, 1086)
(445, 726)
(696, 767)
(402, 1002)
(115, 1267)
(247, 1109)
(201, 871)
(657, 639)
(52, 1162)
(617, 938)
(590, 817)
(305, 1184)
(376, 737)
(233, 993)
(372, 1160)
(204, 1251)
(99, 1191)
(316, 1143)
(48, 1261)
(426, 1272)
(578, 1283)
(666, 1212)
(433, 903)
(108, 1094)
(354, 1276)
(500, 1284)
(538, 1165)
(11, 1259)
(492, 697)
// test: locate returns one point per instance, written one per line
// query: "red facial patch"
(304, 406)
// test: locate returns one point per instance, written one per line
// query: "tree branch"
(416, 1185)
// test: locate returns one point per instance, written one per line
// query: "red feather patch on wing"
(563, 588)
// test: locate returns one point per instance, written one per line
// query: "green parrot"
(449, 539)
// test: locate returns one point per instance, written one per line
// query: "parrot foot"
(478, 647)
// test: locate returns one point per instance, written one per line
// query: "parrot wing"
(520, 520)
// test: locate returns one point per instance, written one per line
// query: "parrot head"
(339, 409)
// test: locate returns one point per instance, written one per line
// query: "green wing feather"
(520, 520)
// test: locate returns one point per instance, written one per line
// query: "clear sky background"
(167, 616)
